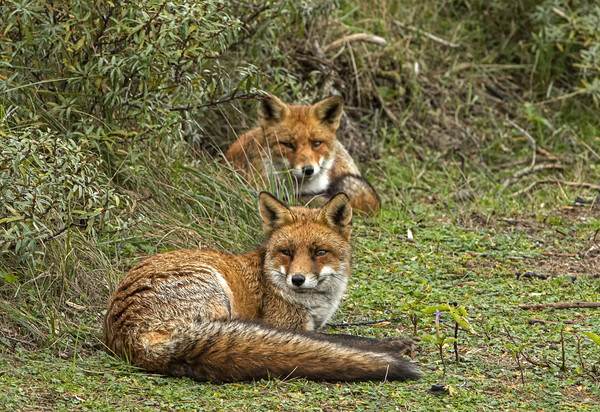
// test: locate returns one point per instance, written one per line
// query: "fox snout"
(306, 171)
(300, 281)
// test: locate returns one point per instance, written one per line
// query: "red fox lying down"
(221, 317)
(296, 146)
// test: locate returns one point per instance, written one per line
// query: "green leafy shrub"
(567, 35)
(83, 66)
(558, 39)
(48, 184)
(89, 88)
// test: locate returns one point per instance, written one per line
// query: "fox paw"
(400, 346)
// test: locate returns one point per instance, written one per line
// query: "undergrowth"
(476, 121)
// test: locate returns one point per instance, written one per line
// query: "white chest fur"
(321, 304)
(320, 183)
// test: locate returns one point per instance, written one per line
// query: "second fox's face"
(306, 151)
(301, 139)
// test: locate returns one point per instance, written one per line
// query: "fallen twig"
(23, 342)
(559, 98)
(508, 165)
(426, 34)
(528, 170)
(356, 75)
(546, 153)
(549, 322)
(562, 350)
(559, 182)
(405, 238)
(560, 305)
(549, 156)
(364, 37)
(592, 251)
(140, 199)
(366, 322)
(533, 275)
(318, 61)
(559, 254)
(516, 222)
(455, 343)
(580, 201)
(541, 363)
(542, 276)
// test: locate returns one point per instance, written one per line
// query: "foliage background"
(477, 121)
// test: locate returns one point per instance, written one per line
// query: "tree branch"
(560, 305)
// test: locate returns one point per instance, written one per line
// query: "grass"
(466, 254)
(462, 221)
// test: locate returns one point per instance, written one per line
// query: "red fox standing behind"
(220, 317)
(298, 145)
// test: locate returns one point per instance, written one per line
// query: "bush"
(558, 39)
(89, 88)
(49, 184)
(84, 66)
(567, 45)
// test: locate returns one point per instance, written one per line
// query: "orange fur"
(220, 317)
(295, 148)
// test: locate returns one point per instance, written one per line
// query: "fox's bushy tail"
(239, 350)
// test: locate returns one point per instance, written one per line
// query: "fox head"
(308, 250)
(300, 139)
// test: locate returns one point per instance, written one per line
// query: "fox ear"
(272, 110)
(337, 214)
(274, 213)
(329, 111)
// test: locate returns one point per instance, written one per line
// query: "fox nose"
(308, 170)
(298, 280)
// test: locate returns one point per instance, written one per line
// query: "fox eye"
(320, 252)
(287, 144)
(285, 252)
(316, 144)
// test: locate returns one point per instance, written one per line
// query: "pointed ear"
(274, 213)
(329, 111)
(272, 110)
(337, 214)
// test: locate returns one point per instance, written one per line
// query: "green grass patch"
(465, 255)
(477, 123)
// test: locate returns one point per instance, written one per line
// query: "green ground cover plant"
(476, 121)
